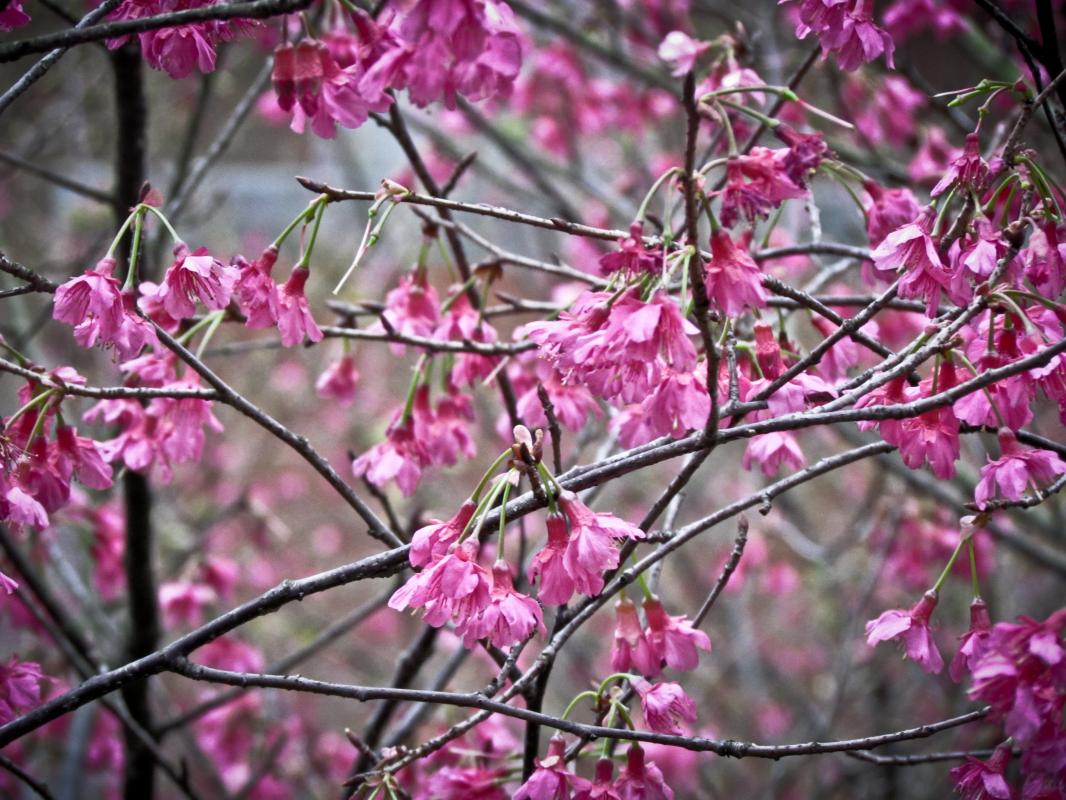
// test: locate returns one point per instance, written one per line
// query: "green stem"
(301, 219)
(578, 699)
(623, 676)
(643, 209)
(490, 472)
(503, 520)
(162, 218)
(34, 401)
(951, 563)
(122, 232)
(216, 320)
(973, 571)
(305, 257)
(135, 249)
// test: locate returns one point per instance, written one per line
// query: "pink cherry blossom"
(984, 780)
(912, 630)
(632, 257)
(182, 602)
(773, 450)
(671, 640)
(92, 303)
(974, 642)
(338, 381)
(628, 635)
(13, 16)
(556, 584)
(294, 315)
(453, 587)
(196, 276)
(1016, 469)
(641, 779)
(602, 787)
(664, 705)
(680, 51)
(412, 308)
(431, 542)
(509, 618)
(81, 456)
(734, 281)
(887, 210)
(551, 780)
(256, 291)
(1021, 674)
(591, 550)
(968, 172)
(7, 584)
(20, 687)
(845, 27)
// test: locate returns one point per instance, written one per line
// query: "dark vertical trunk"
(143, 637)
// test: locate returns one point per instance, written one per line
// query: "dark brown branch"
(257, 9)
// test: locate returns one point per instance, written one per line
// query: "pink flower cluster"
(1021, 674)
(178, 49)
(666, 639)
(639, 779)
(436, 49)
(846, 28)
(40, 455)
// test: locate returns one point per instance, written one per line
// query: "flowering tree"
(798, 263)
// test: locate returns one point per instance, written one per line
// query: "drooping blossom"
(680, 52)
(933, 436)
(591, 550)
(453, 587)
(641, 779)
(1016, 469)
(473, 49)
(846, 28)
(551, 780)
(431, 542)
(182, 602)
(412, 308)
(1045, 258)
(178, 49)
(773, 450)
(664, 706)
(601, 787)
(757, 183)
(911, 628)
(734, 281)
(465, 323)
(632, 258)
(257, 293)
(968, 172)
(401, 457)
(556, 584)
(974, 642)
(1022, 676)
(677, 404)
(20, 687)
(804, 156)
(465, 783)
(617, 346)
(668, 639)
(13, 16)
(338, 381)
(310, 83)
(887, 210)
(193, 276)
(984, 780)
(82, 457)
(92, 304)
(510, 616)
(628, 635)
(913, 249)
(294, 315)
(8, 584)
